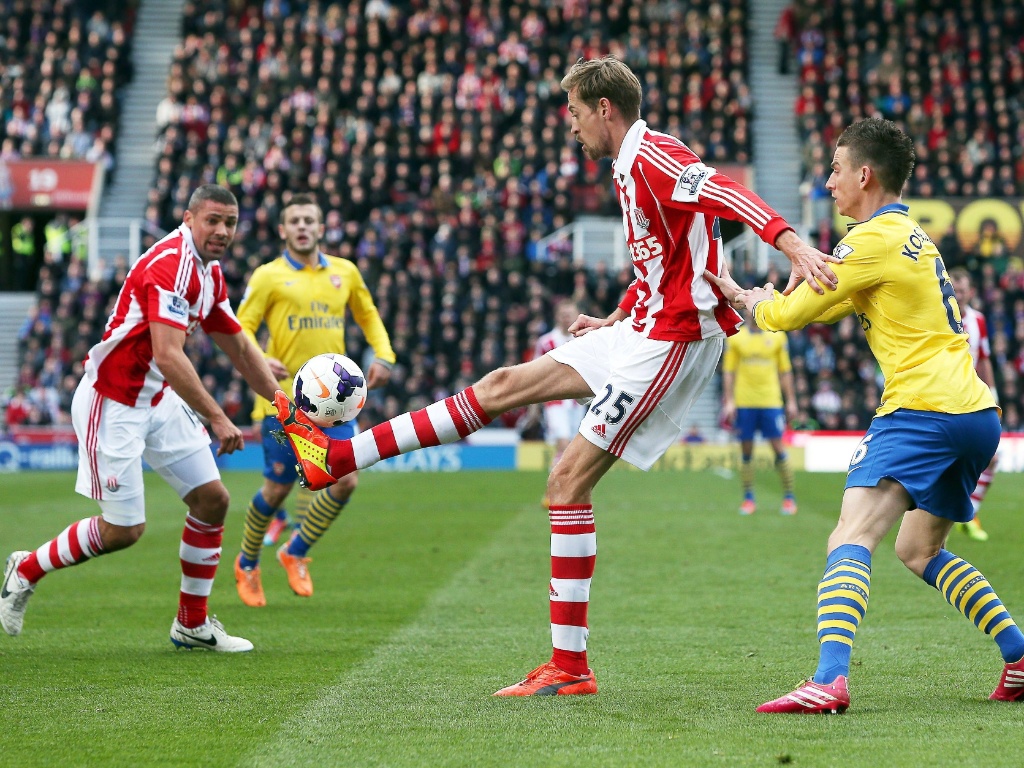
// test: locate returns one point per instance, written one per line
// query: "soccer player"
(139, 399)
(301, 297)
(977, 337)
(643, 365)
(755, 373)
(561, 417)
(935, 431)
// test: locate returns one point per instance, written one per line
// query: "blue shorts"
(770, 422)
(937, 457)
(279, 460)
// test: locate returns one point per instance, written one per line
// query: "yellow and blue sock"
(747, 475)
(967, 590)
(257, 520)
(785, 471)
(322, 512)
(842, 602)
(304, 497)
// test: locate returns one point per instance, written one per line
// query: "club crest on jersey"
(336, 281)
(640, 219)
(841, 251)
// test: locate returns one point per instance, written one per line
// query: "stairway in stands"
(157, 33)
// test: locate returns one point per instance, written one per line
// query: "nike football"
(330, 389)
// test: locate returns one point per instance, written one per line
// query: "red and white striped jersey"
(169, 284)
(977, 335)
(554, 338)
(671, 203)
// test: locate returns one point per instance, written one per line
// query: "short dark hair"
(883, 146)
(211, 193)
(301, 198)
(605, 78)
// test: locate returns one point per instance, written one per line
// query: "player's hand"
(378, 376)
(729, 287)
(791, 412)
(728, 412)
(808, 262)
(584, 324)
(278, 369)
(229, 435)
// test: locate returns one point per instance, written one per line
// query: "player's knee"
(274, 494)
(115, 537)
(562, 487)
(492, 388)
(210, 504)
(915, 556)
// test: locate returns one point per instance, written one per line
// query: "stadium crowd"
(434, 135)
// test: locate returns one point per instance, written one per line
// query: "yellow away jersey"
(757, 359)
(892, 276)
(304, 312)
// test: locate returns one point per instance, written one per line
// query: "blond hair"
(605, 78)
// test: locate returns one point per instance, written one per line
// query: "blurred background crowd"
(434, 136)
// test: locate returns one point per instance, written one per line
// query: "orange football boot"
(549, 680)
(250, 586)
(307, 440)
(297, 569)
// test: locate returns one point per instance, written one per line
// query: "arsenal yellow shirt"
(304, 310)
(892, 276)
(757, 359)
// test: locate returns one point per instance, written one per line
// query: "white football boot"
(14, 594)
(210, 636)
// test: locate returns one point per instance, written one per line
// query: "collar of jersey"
(298, 266)
(630, 146)
(186, 235)
(900, 208)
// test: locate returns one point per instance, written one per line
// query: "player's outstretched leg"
(967, 590)
(842, 602)
(573, 555)
(77, 543)
(323, 460)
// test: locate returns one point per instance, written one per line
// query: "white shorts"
(562, 419)
(643, 388)
(114, 438)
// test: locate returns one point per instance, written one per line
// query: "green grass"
(431, 593)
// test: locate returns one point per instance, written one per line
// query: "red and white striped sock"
(440, 423)
(573, 552)
(200, 556)
(983, 483)
(77, 543)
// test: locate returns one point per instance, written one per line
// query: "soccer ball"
(330, 389)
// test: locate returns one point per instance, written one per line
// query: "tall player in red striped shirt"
(643, 365)
(138, 400)
(977, 337)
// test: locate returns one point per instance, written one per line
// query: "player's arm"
(367, 317)
(249, 360)
(785, 368)
(861, 267)
(169, 355)
(702, 189)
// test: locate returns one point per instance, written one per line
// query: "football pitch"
(431, 593)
